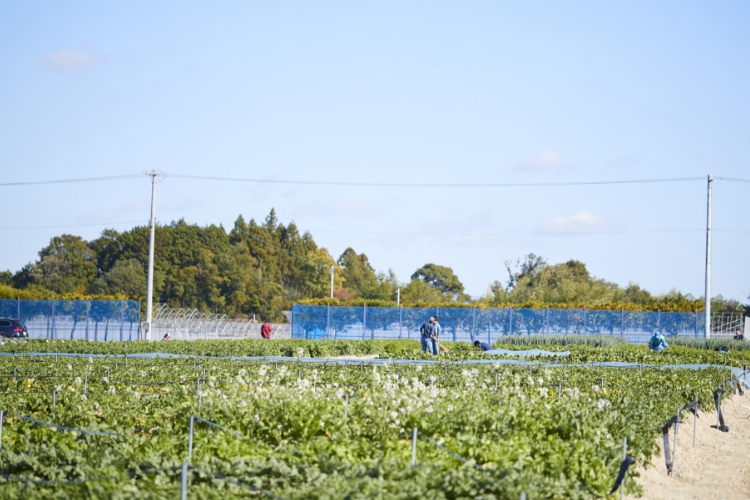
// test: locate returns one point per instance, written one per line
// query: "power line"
(22, 228)
(68, 181)
(398, 233)
(433, 185)
(732, 179)
(373, 184)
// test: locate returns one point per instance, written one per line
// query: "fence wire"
(486, 325)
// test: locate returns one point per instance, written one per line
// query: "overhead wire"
(374, 184)
(68, 181)
(21, 228)
(428, 184)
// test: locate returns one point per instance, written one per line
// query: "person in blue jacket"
(657, 342)
(483, 346)
(427, 332)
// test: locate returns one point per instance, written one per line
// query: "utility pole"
(150, 286)
(707, 306)
(331, 281)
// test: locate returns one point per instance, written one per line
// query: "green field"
(290, 430)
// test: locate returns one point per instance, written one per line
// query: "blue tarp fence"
(469, 324)
(98, 320)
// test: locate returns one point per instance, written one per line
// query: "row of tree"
(264, 268)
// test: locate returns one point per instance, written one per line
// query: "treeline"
(263, 268)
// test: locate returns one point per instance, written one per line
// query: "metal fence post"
(585, 320)
(510, 318)
(622, 322)
(364, 319)
(658, 320)
(54, 331)
(88, 304)
(122, 317)
(473, 323)
(546, 321)
(696, 323)
(328, 322)
(1, 427)
(489, 336)
(18, 307)
(400, 321)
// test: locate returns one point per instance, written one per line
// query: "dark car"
(13, 328)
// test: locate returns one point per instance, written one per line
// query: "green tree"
(440, 278)
(66, 265)
(419, 291)
(6, 278)
(126, 277)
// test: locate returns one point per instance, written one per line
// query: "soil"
(717, 468)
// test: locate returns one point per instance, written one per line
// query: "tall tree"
(439, 277)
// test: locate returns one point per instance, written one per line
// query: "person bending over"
(483, 346)
(657, 342)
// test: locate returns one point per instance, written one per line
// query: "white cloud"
(545, 160)
(68, 61)
(580, 222)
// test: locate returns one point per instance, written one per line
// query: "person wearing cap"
(657, 342)
(738, 335)
(483, 346)
(427, 330)
(165, 337)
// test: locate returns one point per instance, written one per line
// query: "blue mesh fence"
(97, 320)
(487, 325)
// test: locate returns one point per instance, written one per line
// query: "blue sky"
(459, 92)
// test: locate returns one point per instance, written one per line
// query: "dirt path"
(717, 468)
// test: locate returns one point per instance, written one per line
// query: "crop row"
(332, 431)
(595, 350)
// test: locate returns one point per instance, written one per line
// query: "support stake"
(190, 442)
(414, 447)
(184, 482)
(624, 455)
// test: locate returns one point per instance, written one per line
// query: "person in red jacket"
(265, 330)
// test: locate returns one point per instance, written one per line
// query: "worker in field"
(738, 335)
(657, 342)
(427, 332)
(265, 330)
(437, 346)
(483, 346)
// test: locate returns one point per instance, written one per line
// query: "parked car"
(13, 328)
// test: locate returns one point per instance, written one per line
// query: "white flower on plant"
(112, 389)
(257, 417)
(91, 360)
(105, 380)
(322, 424)
(84, 398)
(70, 367)
(242, 372)
(78, 380)
(603, 403)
